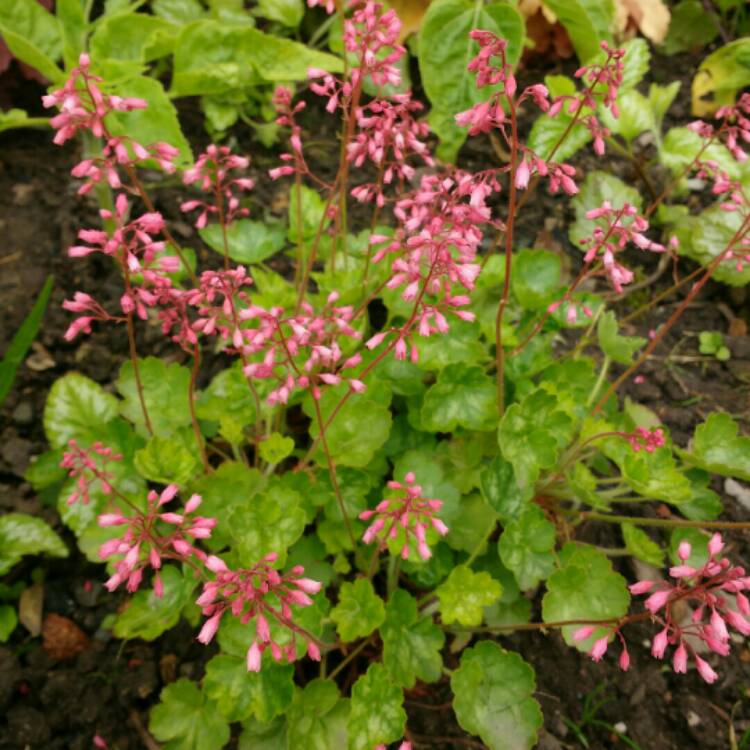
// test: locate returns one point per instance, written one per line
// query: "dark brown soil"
(108, 688)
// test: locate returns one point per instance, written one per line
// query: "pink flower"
(679, 660)
(599, 648)
(657, 600)
(704, 670)
(583, 633)
(659, 645)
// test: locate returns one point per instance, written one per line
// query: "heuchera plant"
(409, 421)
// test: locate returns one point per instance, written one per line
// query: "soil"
(108, 687)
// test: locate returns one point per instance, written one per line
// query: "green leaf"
(653, 475)
(134, 37)
(445, 51)
(376, 716)
(635, 116)
(8, 621)
(147, 616)
(286, 12)
(501, 490)
(275, 448)
(717, 448)
(547, 131)
(70, 16)
(186, 720)
(348, 443)
(459, 345)
(168, 460)
(158, 122)
(635, 63)
(493, 697)
(312, 209)
(240, 694)
(527, 547)
(228, 396)
(451, 136)
(723, 73)
(464, 595)
(531, 435)
(705, 504)
(178, 11)
(706, 235)
(618, 348)
(639, 544)
(212, 57)
(690, 29)
(595, 189)
(32, 34)
(77, 408)
(22, 339)
(21, 534)
(536, 278)
(585, 588)
(587, 22)
(45, 470)
(248, 241)
(165, 392)
(359, 611)
(660, 98)
(468, 522)
(232, 485)
(272, 522)
(463, 396)
(258, 736)
(317, 718)
(411, 645)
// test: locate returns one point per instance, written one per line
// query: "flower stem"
(332, 472)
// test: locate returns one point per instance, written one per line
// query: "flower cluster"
(282, 101)
(87, 466)
(146, 542)
(436, 251)
(388, 135)
(406, 516)
(620, 227)
(735, 127)
(644, 439)
(492, 68)
(715, 589)
(212, 174)
(371, 36)
(603, 79)
(263, 595)
(302, 350)
(83, 105)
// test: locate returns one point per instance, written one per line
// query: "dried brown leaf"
(63, 639)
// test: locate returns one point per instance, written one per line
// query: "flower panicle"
(146, 542)
(88, 466)
(714, 591)
(265, 596)
(408, 514)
